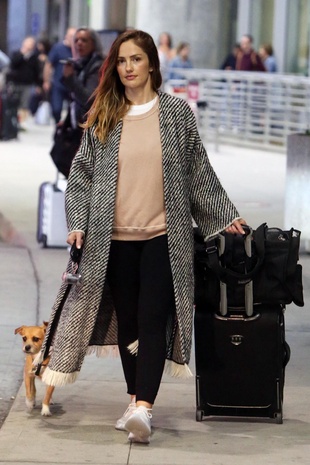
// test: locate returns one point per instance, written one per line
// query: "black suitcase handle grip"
(224, 273)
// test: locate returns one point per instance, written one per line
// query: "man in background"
(229, 63)
(23, 74)
(53, 71)
(247, 58)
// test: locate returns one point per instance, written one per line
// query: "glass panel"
(58, 19)
(228, 27)
(298, 37)
(262, 14)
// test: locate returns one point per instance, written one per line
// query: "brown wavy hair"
(110, 102)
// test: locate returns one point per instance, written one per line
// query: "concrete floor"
(81, 430)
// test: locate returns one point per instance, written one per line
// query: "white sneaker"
(120, 424)
(141, 439)
(139, 425)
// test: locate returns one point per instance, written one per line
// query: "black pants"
(139, 275)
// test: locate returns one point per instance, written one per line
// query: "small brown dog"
(33, 337)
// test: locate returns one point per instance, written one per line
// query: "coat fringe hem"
(103, 351)
(177, 370)
(55, 378)
(172, 368)
(133, 347)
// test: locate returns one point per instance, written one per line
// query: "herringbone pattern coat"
(191, 189)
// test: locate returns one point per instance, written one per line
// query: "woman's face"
(133, 66)
(184, 53)
(83, 43)
(164, 39)
(262, 53)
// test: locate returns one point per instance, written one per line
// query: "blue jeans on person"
(57, 98)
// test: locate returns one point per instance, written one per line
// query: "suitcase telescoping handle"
(248, 288)
(223, 286)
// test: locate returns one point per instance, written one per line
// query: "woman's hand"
(76, 236)
(236, 227)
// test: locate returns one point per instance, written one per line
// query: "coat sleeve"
(79, 187)
(211, 207)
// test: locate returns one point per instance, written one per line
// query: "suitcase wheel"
(199, 415)
(279, 418)
(44, 241)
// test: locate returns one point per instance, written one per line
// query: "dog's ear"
(45, 324)
(19, 330)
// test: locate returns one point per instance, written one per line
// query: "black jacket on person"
(83, 82)
(68, 133)
(229, 62)
(24, 70)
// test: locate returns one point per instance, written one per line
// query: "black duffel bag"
(66, 143)
(272, 265)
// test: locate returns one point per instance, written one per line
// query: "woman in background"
(81, 75)
(181, 60)
(165, 53)
(266, 53)
(80, 78)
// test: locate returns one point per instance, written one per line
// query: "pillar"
(30, 20)
(297, 186)
(244, 18)
(198, 22)
(107, 14)
(79, 13)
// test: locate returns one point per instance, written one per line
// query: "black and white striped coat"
(191, 189)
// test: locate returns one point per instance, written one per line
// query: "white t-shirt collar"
(135, 110)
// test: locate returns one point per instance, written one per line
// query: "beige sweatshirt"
(140, 208)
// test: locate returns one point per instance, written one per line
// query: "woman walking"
(139, 177)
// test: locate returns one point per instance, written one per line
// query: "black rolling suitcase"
(8, 115)
(240, 347)
(240, 363)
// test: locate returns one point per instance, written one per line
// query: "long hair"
(268, 49)
(168, 36)
(110, 103)
(98, 47)
(181, 47)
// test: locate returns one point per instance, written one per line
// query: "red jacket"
(249, 62)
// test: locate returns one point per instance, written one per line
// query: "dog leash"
(75, 255)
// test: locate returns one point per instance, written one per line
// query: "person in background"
(80, 77)
(23, 74)
(181, 60)
(165, 53)
(38, 94)
(266, 53)
(43, 46)
(52, 74)
(230, 61)
(139, 177)
(247, 58)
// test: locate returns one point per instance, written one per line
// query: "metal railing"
(246, 108)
